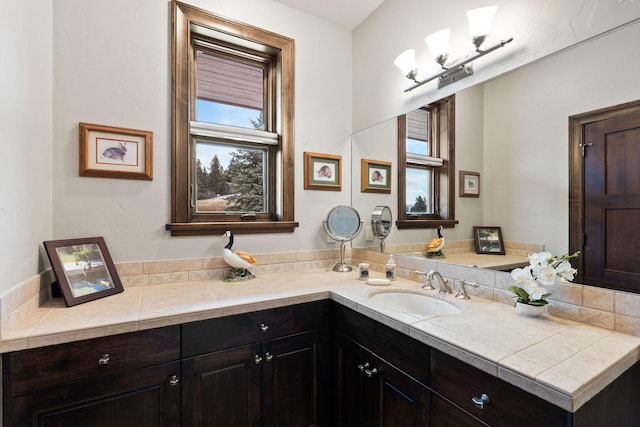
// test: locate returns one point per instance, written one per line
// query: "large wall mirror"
(514, 132)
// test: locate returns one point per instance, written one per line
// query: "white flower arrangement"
(543, 270)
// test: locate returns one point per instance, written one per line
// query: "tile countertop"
(559, 360)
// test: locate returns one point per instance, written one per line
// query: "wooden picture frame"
(488, 240)
(375, 176)
(83, 268)
(113, 152)
(322, 172)
(469, 184)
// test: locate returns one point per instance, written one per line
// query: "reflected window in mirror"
(232, 165)
(426, 149)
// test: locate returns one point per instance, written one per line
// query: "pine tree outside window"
(232, 126)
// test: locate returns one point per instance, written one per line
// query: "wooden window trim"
(182, 221)
(446, 151)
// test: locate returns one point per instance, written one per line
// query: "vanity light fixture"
(438, 42)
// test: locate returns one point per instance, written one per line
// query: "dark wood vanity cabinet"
(268, 368)
(382, 375)
(118, 381)
(313, 364)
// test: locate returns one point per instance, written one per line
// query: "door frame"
(576, 171)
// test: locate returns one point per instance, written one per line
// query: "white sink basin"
(413, 302)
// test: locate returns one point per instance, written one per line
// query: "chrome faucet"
(442, 282)
(426, 286)
(462, 293)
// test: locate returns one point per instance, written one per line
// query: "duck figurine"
(435, 246)
(239, 261)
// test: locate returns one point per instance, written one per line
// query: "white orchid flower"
(540, 258)
(522, 275)
(546, 275)
(565, 271)
(535, 292)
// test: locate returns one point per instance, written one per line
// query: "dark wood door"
(223, 388)
(611, 241)
(145, 397)
(295, 381)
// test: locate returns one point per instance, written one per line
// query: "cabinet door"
(222, 388)
(373, 392)
(403, 402)
(295, 382)
(145, 397)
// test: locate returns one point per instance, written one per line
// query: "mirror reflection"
(381, 222)
(513, 132)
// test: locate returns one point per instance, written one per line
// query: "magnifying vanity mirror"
(381, 221)
(342, 225)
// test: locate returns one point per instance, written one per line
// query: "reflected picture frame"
(469, 184)
(488, 240)
(375, 176)
(115, 152)
(322, 171)
(83, 269)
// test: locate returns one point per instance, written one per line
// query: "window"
(426, 179)
(232, 136)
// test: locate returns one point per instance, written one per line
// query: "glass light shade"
(438, 42)
(480, 20)
(406, 61)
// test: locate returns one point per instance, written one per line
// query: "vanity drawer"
(508, 405)
(41, 368)
(221, 333)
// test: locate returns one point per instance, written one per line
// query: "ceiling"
(346, 13)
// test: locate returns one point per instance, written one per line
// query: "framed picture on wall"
(83, 268)
(322, 172)
(375, 176)
(488, 240)
(469, 184)
(112, 152)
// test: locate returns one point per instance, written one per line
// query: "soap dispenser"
(390, 268)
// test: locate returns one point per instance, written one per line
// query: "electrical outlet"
(368, 233)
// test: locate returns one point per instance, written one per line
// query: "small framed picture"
(322, 172)
(111, 152)
(469, 184)
(84, 269)
(375, 176)
(488, 240)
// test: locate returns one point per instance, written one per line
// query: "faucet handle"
(462, 293)
(426, 280)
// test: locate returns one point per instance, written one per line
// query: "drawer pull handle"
(480, 401)
(362, 367)
(264, 327)
(174, 380)
(104, 359)
(370, 372)
(257, 359)
(268, 356)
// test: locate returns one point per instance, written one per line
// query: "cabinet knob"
(363, 367)
(174, 380)
(268, 356)
(480, 401)
(257, 359)
(264, 327)
(370, 372)
(104, 359)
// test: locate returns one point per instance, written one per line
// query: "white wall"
(538, 27)
(526, 132)
(25, 120)
(111, 67)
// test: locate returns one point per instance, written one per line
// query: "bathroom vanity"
(292, 354)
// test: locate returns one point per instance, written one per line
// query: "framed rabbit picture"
(112, 152)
